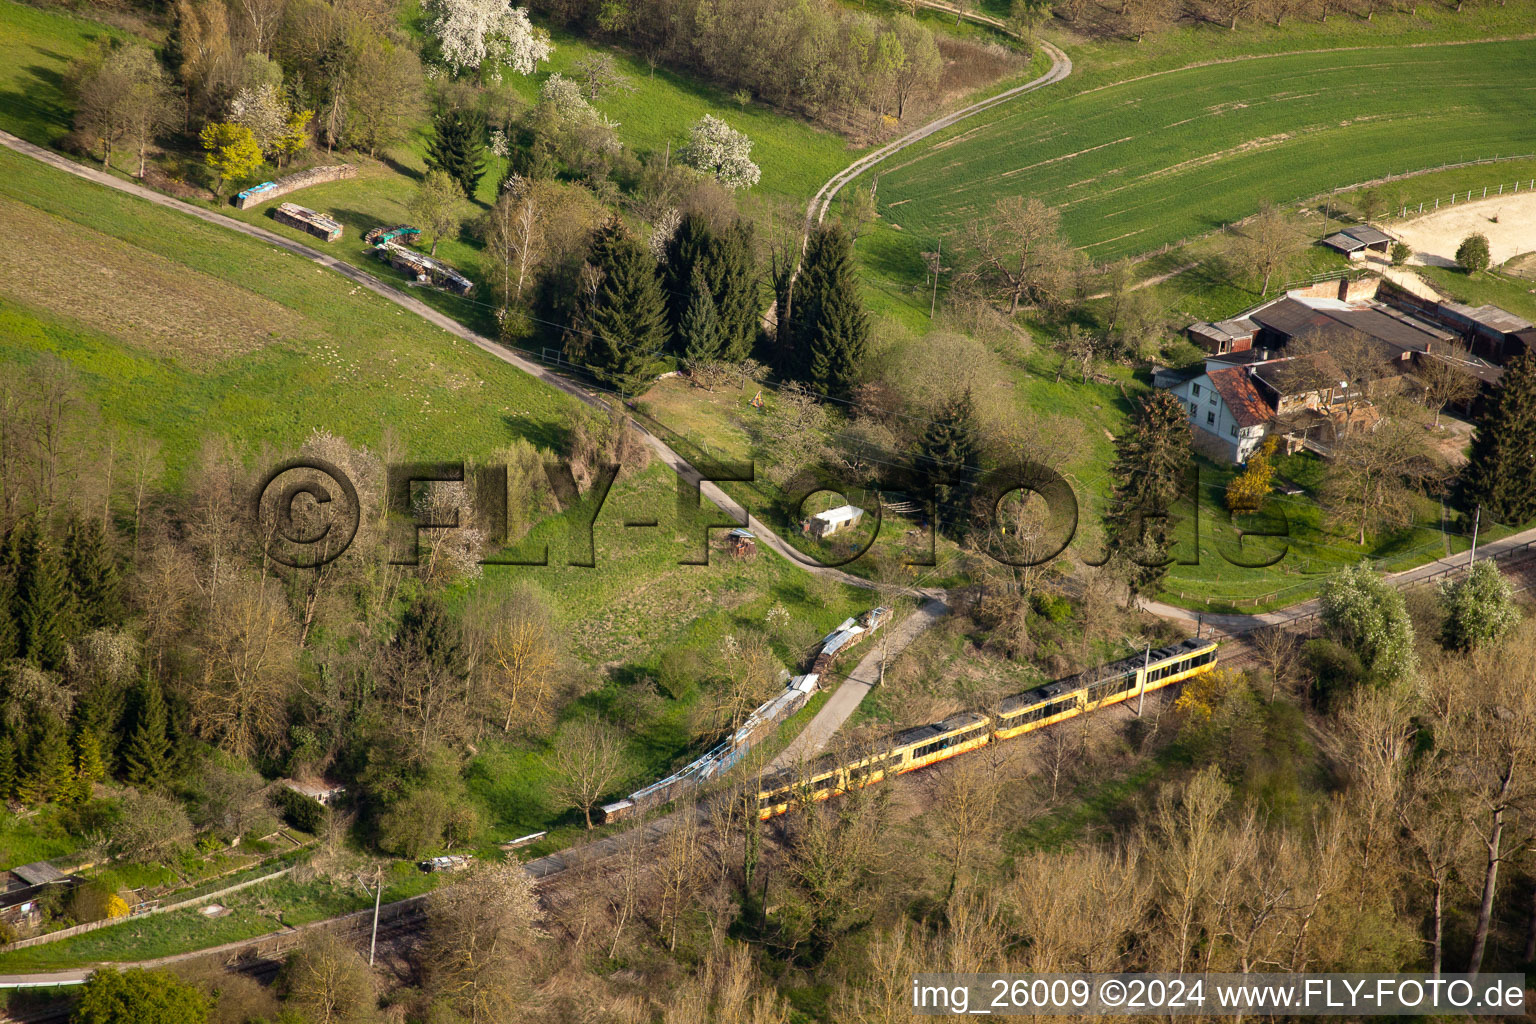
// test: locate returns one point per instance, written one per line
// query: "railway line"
(261, 958)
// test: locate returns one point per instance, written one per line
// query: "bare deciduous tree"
(586, 761)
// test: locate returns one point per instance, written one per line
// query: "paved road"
(1061, 67)
(1236, 623)
(865, 675)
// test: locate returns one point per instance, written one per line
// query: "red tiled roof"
(1247, 406)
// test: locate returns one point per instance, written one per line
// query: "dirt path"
(848, 696)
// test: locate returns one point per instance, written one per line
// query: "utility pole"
(378, 894)
(1476, 518)
(938, 257)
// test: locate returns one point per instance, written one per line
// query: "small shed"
(1355, 242)
(322, 791)
(27, 890)
(833, 520)
(741, 543)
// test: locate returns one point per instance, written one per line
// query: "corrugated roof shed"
(1343, 243)
(1491, 317)
(1368, 234)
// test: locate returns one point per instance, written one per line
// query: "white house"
(1227, 413)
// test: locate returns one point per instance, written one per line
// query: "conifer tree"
(692, 248)
(1152, 462)
(458, 148)
(831, 327)
(700, 330)
(628, 318)
(43, 602)
(10, 635)
(1501, 474)
(49, 773)
(946, 463)
(736, 292)
(8, 768)
(147, 751)
(89, 766)
(93, 576)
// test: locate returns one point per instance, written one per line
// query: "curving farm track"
(1061, 67)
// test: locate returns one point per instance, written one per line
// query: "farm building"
(741, 543)
(833, 520)
(27, 890)
(322, 792)
(1358, 241)
(305, 219)
(1223, 336)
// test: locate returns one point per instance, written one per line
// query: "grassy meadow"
(1136, 165)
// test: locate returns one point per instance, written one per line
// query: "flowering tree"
(472, 32)
(264, 112)
(716, 148)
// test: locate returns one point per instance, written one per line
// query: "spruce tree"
(628, 320)
(691, 249)
(10, 634)
(458, 148)
(736, 292)
(1152, 462)
(8, 768)
(831, 327)
(1501, 474)
(89, 768)
(50, 770)
(700, 334)
(147, 750)
(946, 463)
(93, 575)
(43, 602)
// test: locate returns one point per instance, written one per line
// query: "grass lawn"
(256, 911)
(1169, 156)
(1516, 294)
(221, 334)
(39, 835)
(620, 618)
(39, 46)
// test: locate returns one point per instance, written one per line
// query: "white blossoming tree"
(716, 148)
(476, 32)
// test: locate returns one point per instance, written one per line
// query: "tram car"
(1025, 712)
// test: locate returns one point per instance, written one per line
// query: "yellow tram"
(969, 730)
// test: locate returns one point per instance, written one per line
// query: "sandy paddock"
(1434, 237)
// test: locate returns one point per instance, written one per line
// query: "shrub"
(1054, 607)
(1473, 253)
(304, 813)
(1479, 607)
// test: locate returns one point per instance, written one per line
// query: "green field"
(1159, 158)
(222, 334)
